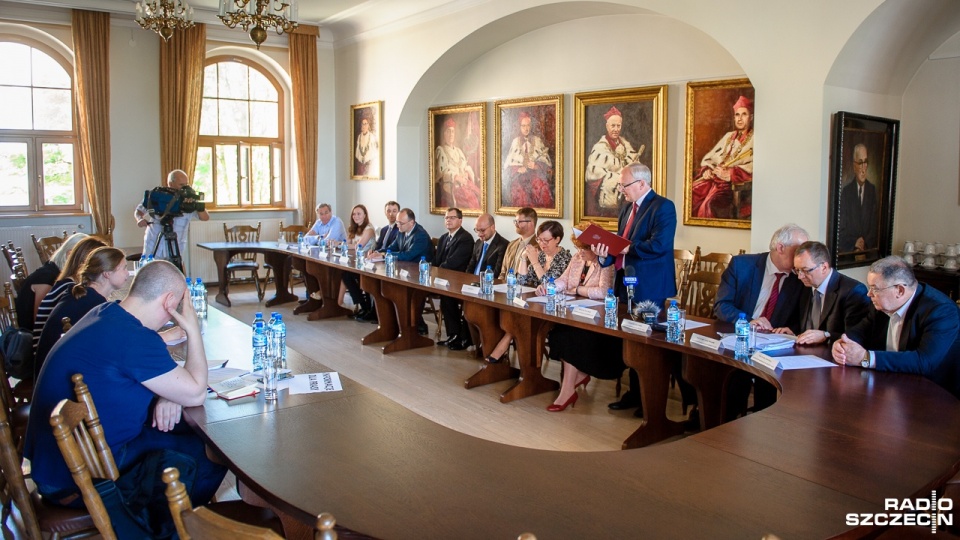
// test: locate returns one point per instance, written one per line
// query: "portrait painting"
(458, 157)
(614, 128)
(718, 159)
(529, 152)
(366, 138)
(862, 186)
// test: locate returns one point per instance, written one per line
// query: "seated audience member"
(830, 301)
(131, 376)
(762, 286)
(536, 268)
(104, 271)
(413, 243)
(388, 233)
(360, 232)
(525, 224)
(65, 281)
(584, 353)
(40, 281)
(453, 253)
(330, 228)
(910, 328)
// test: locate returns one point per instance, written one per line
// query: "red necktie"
(774, 294)
(626, 234)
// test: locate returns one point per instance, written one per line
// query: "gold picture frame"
(641, 137)
(714, 143)
(457, 143)
(366, 147)
(529, 164)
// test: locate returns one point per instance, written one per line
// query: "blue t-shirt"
(75, 309)
(115, 354)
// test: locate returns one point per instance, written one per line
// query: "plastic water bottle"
(149, 259)
(610, 310)
(487, 282)
(424, 267)
(359, 257)
(141, 262)
(259, 345)
(280, 341)
(511, 285)
(300, 242)
(282, 241)
(742, 328)
(201, 298)
(323, 245)
(344, 249)
(268, 330)
(674, 332)
(390, 263)
(551, 297)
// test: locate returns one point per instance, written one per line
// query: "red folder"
(597, 235)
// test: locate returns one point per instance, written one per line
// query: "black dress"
(45, 275)
(597, 355)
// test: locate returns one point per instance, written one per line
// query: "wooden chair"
(9, 253)
(289, 234)
(14, 487)
(701, 293)
(711, 262)
(107, 236)
(23, 392)
(244, 262)
(19, 276)
(683, 264)
(17, 410)
(47, 245)
(77, 430)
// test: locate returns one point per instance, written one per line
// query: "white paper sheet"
(765, 342)
(804, 361)
(584, 302)
(694, 324)
(543, 299)
(521, 289)
(310, 383)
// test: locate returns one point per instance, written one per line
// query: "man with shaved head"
(181, 224)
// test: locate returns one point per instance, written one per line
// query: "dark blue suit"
(651, 248)
(929, 339)
(386, 236)
(844, 305)
(413, 245)
(740, 287)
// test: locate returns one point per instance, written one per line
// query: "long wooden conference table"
(838, 441)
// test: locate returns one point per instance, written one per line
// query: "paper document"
(691, 325)
(765, 342)
(543, 299)
(584, 302)
(805, 361)
(220, 375)
(521, 289)
(310, 383)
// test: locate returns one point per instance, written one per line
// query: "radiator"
(199, 261)
(21, 239)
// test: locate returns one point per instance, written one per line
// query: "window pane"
(208, 117)
(277, 168)
(203, 174)
(260, 175)
(244, 174)
(210, 81)
(14, 64)
(58, 185)
(14, 179)
(227, 176)
(263, 119)
(261, 88)
(47, 72)
(52, 110)
(17, 111)
(234, 118)
(233, 80)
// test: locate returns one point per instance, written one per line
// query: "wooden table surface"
(839, 440)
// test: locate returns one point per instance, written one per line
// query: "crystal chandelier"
(261, 15)
(164, 16)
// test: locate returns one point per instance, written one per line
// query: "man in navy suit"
(413, 243)
(388, 233)
(453, 253)
(649, 221)
(911, 328)
(830, 301)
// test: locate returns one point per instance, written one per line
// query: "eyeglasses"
(806, 271)
(545, 241)
(622, 187)
(860, 163)
(404, 223)
(481, 231)
(519, 221)
(451, 217)
(873, 289)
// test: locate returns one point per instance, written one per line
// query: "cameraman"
(177, 179)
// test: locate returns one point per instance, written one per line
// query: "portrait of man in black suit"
(859, 219)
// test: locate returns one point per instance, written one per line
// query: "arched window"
(240, 150)
(37, 135)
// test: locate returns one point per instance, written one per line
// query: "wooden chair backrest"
(107, 236)
(79, 434)
(243, 233)
(47, 245)
(14, 485)
(9, 253)
(683, 263)
(8, 309)
(711, 262)
(19, 276)
(701, 293)
(290, 232)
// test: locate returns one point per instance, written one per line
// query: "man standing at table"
(830, 301)
(525, 224)
(649, 222)
(388, 233)
(910, 328)
(453, 253)
(414, 242)
(330, 228)
(177, 179)
(131, 377)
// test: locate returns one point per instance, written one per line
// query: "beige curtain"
(306, 97)
(181, 93)
(91, 46)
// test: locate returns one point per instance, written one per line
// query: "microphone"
(629, 281)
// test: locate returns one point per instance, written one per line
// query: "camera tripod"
(169, 236)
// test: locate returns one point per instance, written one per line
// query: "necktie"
(483, 255)
(893, 341)
(860, 193)
(772, 301)
(391, 235)
(626, 233)
(817, 308)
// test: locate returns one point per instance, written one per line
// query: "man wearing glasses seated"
(414, 242)
(525, 224)
(830, 301)
(911, 328)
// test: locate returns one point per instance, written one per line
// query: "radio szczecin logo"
(932, 512)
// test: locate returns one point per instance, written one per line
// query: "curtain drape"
(306, 96)
(91, 45)
(181, 93)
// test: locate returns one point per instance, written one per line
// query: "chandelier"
(164, 16)
(261, 15)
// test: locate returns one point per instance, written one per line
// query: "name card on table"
(766, 361)
(369, 265)
(701, 340)
(440, 282)
(585, 312)
(470, 289)
(519, 302)
(344, 259)
(322, 255)
(635, 327)
(404, 274)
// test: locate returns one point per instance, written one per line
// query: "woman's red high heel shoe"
(582, 382)
(553, 407)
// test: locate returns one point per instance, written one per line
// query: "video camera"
(168, 202)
